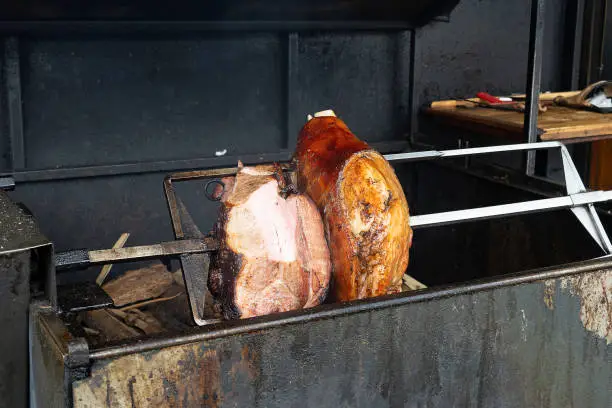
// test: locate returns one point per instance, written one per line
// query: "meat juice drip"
(273, 256)
(363, 206)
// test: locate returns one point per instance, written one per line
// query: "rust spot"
(248, 364)
(209, 381)
(595, 293)
(135, 381)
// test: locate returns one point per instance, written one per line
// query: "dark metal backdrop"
(98, 117)
(25, 266)
(264, 12)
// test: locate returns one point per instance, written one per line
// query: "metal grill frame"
(195, 266)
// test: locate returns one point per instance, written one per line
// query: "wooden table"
(557, 123)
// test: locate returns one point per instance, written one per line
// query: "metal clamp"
(214, 195)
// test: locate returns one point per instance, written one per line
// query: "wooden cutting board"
(557, 123)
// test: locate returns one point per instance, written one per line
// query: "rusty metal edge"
(54, 329)
(26, 248)
(334, 310)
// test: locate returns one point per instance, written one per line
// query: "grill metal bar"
(292, 84)
(166, 166)
(172, 248)
(577, 199)
(14, 102)
(128, 27)
(82, 258)
(534, 80)
(497, 211)
(7, 183)
(472, 151)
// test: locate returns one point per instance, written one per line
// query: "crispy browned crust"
(225, 266)
(363, 206)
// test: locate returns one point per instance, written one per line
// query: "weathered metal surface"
(14, 300)
(58, 358)
(47, 368)
(24, 256)
(595, 294)
(82, 296)
(502, 347)
(18, 230)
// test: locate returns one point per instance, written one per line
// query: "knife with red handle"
(489, 98)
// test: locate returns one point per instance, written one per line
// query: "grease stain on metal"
(131, 382)
(550, 287)
(523, 325)
(170, 388)
(175, 376)
(97, 380)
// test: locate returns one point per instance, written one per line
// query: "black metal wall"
(484, 48)
(606, 66)
(100, 104)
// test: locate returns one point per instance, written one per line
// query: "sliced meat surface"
(273, 254)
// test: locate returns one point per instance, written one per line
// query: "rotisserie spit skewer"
(83, 258)
(80, 258)
(190, 242)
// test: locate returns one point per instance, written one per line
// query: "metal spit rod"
(495, 211)
(472, 151)
(577, 199)
(81, 258)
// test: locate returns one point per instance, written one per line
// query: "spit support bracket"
(195, 265)
(578, 199)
